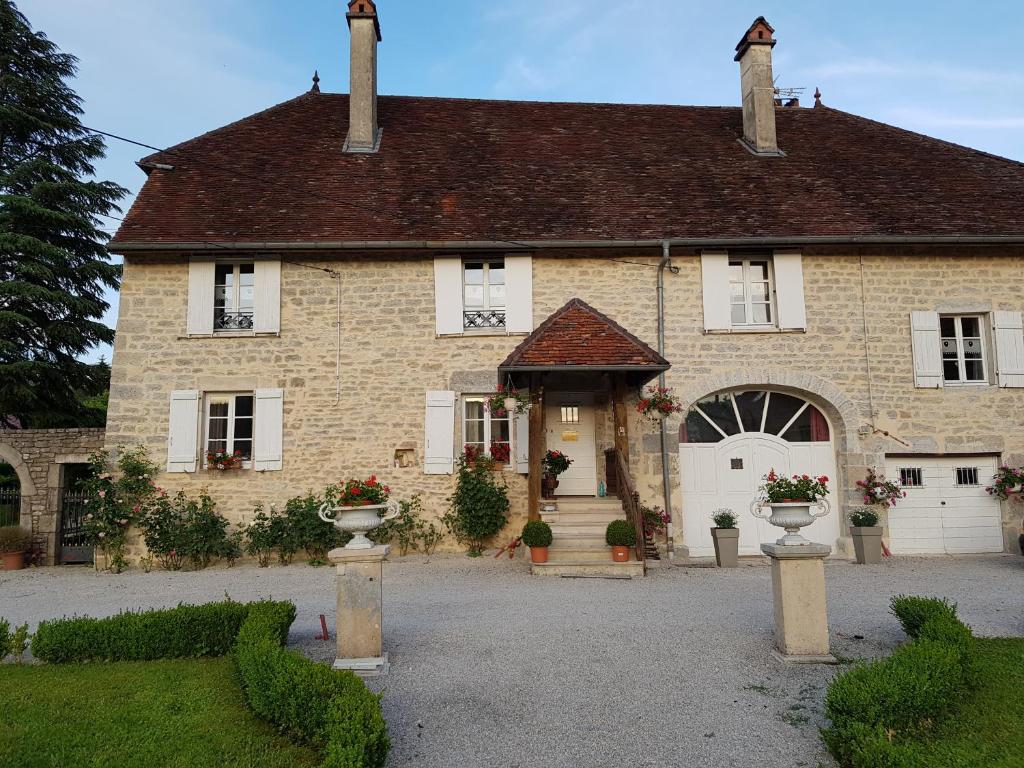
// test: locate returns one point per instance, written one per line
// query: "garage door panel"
(942, 515)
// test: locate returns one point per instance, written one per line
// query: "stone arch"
(844, 414)
(13, 457)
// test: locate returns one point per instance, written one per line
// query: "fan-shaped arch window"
(725, 414)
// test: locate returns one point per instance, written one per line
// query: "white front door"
(570, 429)
(947, 509)
(728, 474)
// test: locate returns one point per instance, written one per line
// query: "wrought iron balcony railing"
(490, 318)
(232, 321)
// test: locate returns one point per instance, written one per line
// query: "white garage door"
(947, 509)
(730, 442)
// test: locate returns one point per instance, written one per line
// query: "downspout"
(666, 260)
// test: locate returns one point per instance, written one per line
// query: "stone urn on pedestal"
(359, 521)
(791, 516)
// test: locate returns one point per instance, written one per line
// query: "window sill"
(229, 335)
(480, 334)
(965, 385)
(751, 330)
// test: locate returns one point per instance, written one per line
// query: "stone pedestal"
(360, 593)
(798, 591)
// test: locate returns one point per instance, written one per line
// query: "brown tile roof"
(464, 170)
(579, 335)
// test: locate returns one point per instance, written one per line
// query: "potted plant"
(537, 536)
(658, 403)
(357, 507)
(1008, 482)
(789, 501)
(501, 453)
(621, 537)
(554, 463)
(867, 535)
(507, 402)
(877, 490)
(14, 542)
(222, 460)
(726, 536)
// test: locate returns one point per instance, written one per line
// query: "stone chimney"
(364, 27)
(754, 53)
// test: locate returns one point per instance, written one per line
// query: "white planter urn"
(510, 404)
(359, 520)
(790, 515)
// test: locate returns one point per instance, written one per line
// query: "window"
(750, 292)
(229, 424)
(570, 414)
(484, 432)
(963, 357)
(483, 294)
(911, 477)
(233, 296)
(725, 414)
(967, 476)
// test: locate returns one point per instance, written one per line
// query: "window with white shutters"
(491, 294)
(229, 426)
(234, 297)
(963, 349)
(753, 292)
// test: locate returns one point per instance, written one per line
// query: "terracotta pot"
(727, 546)
(620, 554)
(538, 554)
(14, 561)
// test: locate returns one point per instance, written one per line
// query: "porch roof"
(579, 338)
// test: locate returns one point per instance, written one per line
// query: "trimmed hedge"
(921, 681)
(330, 709)
(914, 612)
(188, 631)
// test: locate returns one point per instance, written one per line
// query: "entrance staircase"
(578, 548)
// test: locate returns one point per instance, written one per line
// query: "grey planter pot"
(867, 544)
(727, 546)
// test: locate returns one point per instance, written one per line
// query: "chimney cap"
(760, 33)
(364, 9)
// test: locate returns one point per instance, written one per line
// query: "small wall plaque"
(570, 437)
(736, 463)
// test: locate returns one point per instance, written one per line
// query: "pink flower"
(102, 494)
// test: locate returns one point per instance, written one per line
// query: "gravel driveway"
(491, 667)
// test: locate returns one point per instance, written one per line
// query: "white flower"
(103, 535)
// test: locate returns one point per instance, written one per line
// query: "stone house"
(335, 285)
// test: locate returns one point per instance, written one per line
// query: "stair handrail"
(631, 505)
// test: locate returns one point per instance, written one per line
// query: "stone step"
(562, 528)
(588, 569)
(593, 550)
(584, 515)
(589, 502)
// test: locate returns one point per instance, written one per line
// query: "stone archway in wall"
(843, 415)
(9, 455)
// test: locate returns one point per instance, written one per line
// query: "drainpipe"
(666, 260)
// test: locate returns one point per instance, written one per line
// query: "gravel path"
(491, 667)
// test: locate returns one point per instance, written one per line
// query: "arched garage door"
(729, 442)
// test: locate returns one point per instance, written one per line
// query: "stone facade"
(854, 362)
(39, 457)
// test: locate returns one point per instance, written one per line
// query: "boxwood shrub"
(921, 681)
(913, 612)
(332, 710)
(188, 631)
(620, 533)
(537, 533)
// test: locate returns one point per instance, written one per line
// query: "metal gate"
(73, 546)
(10, 506)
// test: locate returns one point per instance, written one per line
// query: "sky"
(162, 71)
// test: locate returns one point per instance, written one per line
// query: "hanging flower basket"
(658, 403)
(508, 401)
(877, 490)
(1008, 482)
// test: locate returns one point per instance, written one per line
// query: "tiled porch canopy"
(578, 338)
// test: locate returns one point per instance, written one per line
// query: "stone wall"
(389, 355)
(39, 457)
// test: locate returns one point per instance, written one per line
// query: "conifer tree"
(54, 266)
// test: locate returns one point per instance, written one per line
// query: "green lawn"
(160, 714)
(987, 729)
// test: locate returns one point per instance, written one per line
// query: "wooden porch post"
(536, 447)
(621, 415)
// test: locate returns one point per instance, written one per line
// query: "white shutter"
(439, 434)
(1009, 341)
(448, 295)
(927, 347)
(267, 299)
(201, 276)
(269, 417)
(789, 290)
(519, 294)
(522, 442)
(714, 269)
(183, 431)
